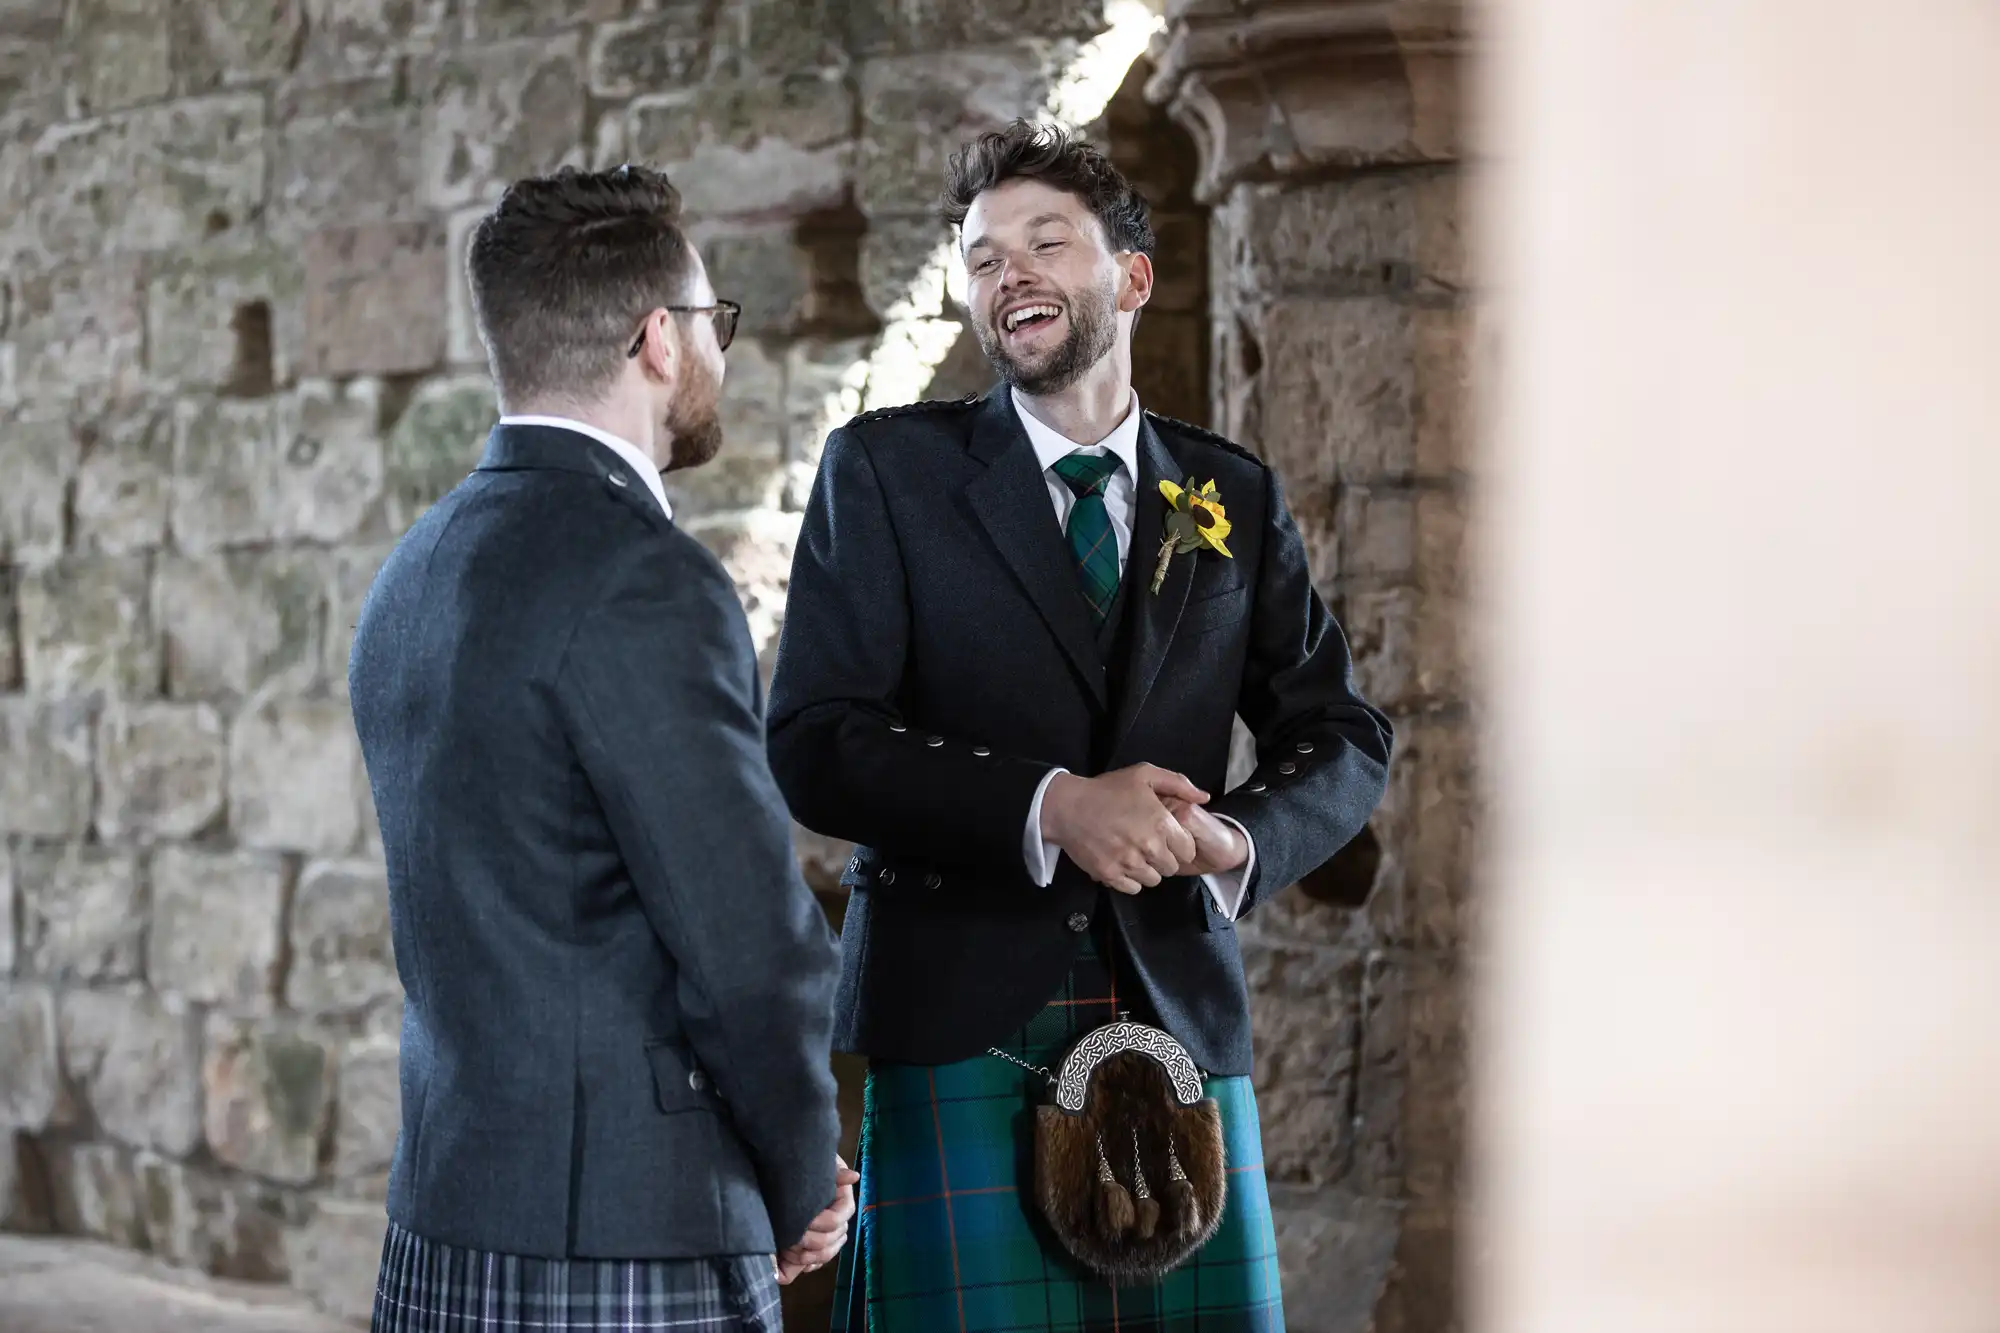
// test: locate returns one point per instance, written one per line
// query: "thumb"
(1165, 783)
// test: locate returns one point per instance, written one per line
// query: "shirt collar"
(1050, 445)
(648, 471)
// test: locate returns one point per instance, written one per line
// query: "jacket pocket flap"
(679, 1083)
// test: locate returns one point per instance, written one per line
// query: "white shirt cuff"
(1038, 851)
(1227, 887)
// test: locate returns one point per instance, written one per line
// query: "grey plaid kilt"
(426, 1287)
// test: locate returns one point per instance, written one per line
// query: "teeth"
(1014, 317)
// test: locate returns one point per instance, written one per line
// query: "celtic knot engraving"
(1114, 1039)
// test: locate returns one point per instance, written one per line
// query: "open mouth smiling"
(1027, 318)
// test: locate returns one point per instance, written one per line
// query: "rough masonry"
(237, 360)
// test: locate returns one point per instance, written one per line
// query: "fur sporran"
(1129, 1164)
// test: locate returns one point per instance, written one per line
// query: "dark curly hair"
(562, 271)
(1047, 153)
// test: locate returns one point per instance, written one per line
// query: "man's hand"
(827, 1233)
(1218, 847)
(1117, 828)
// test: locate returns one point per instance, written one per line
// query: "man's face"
(692, 414)
(1042, 285)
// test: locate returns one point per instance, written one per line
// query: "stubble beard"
(694, 423)
(1093, 330)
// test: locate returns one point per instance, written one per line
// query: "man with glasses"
(617, 1105)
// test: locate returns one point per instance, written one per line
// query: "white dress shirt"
(1119, 493)
(649, 471)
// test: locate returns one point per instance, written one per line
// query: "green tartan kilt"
(949, 1240)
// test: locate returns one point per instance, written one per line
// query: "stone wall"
(236, 360)
(1342, 319)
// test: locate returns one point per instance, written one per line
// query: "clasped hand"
(1132, 828)
(827, 1233)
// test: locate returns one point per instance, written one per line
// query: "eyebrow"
(1040, 219)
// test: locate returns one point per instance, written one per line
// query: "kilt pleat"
(948, 1240)
(427, 1287)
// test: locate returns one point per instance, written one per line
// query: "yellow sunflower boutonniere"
(1194, 520)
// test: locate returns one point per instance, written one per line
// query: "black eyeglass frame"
(724, 333)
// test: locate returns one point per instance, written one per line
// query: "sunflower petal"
(1214, 541)
(1218, 529)
(1208, 491)
(1173, 494)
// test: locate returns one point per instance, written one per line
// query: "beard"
(1093, 329)
(694, 422)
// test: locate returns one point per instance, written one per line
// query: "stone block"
(233, 42)
(354, 570)
(86, 625)
(1398, 232)
(755, 549)
(435, 444)
(46, 786)
(1411, 1111)
(9, 913)
(776, 36)
(1428, 824)
(124, 54)
(159, 770)
(1180, 265)
(370, 1109)
(124, 480)
(824, 379)
(94, 1192)
(496, 113)
(904, 264)
(268, 1097)
(42, 457)
(1409, 647)
(375, 299)
(763, 269)
(1339, 390)
(305, 467)
(216, 934)
(652, 53)
(342, 956)
(136, 1061)
(31, 1086)
(35, 64)
(82, 912)
(239, 621)
(345, 154)
(295, 776)
(1170, 364)
(348, 37)
(1305, 1007)
(24, 1202)
(1336, 1251)
(752, 407)
(150, 179)
(227, 317)
(771, 146)
(916, 110)
(78, 329)
(497, 20)
(1426, 1286)
(334, 1255)
(876, 27)
(200, 1219)
(462, 346)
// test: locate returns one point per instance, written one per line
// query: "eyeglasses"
(723, 312)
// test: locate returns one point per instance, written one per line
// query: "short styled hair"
(562, 271)
(1047, 153)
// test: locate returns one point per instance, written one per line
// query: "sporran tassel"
(1146, 1208)
(1115, 1214)
(1180, 1194)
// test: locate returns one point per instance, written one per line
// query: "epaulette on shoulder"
(1207, 436)
(911, 409)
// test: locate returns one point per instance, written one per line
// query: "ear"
(660, 354)
(1138, 287)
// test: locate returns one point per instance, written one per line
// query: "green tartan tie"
(1091, 540)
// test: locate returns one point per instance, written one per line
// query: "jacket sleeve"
(659, 695)
(847, 761)
(1322, 751)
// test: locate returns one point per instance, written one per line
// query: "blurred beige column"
(1740, 1033)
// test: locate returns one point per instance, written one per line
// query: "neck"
(1091, 408)
(629, 422)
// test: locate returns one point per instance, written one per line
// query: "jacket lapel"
(1011, 500)
(1155, 615)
